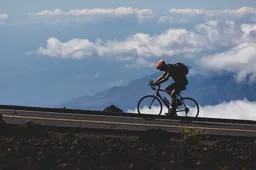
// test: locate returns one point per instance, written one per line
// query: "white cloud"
(187, 11)
(177, 19)
(174, 16)
(165, 19)
(213, 45)
(3, 17)
(96, 13)
(49, 13)
(249, 29)
(208, 36)
(190, 11)
(145, 110)
(169, 43)
(240, 59)
(238, 109)
(189, 15)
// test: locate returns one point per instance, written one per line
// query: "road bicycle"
(191, 110)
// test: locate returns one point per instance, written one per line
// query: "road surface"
(125, 123)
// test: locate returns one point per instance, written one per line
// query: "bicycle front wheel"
(189, 108)
(149, 105)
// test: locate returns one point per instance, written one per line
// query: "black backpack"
(182, 68)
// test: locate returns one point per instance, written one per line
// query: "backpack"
(182, 68)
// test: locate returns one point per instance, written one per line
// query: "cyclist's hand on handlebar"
(150, 82)
(154, 84)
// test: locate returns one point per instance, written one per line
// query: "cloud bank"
(173, 16)
(190, 15)
(95, 13)
(213, 45)
(189, 11)
(240, 59)
(238, 109)
(170, 42)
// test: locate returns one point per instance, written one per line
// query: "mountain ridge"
(205, 89)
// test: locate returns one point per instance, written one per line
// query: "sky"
(22, 8)
(55, 51)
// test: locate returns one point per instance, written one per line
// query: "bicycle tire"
(196, 104)
(148, 117)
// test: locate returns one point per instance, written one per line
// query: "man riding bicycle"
(178, 73)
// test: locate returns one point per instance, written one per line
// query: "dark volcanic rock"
(152, 150)
(112, 108)
(3, 126)
(31, 129)
(155, 136)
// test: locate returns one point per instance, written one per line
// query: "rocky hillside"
(32, 147)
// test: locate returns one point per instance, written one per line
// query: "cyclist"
(178, 75)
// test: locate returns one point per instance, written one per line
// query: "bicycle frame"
(157, 94)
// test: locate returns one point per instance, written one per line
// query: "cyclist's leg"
(181, 85)
(176, 91)
(170, 88)
(172, 92)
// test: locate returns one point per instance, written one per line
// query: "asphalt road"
(125, 123)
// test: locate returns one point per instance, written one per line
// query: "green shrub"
(191, 134)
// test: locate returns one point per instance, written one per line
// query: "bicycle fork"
(152, 101)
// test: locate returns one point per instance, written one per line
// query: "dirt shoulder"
(42, 148)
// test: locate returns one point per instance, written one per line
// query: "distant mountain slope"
(207, 90)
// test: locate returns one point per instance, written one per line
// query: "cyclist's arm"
(164, 77)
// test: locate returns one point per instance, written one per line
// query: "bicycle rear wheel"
(189, 108)
(149, 105)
